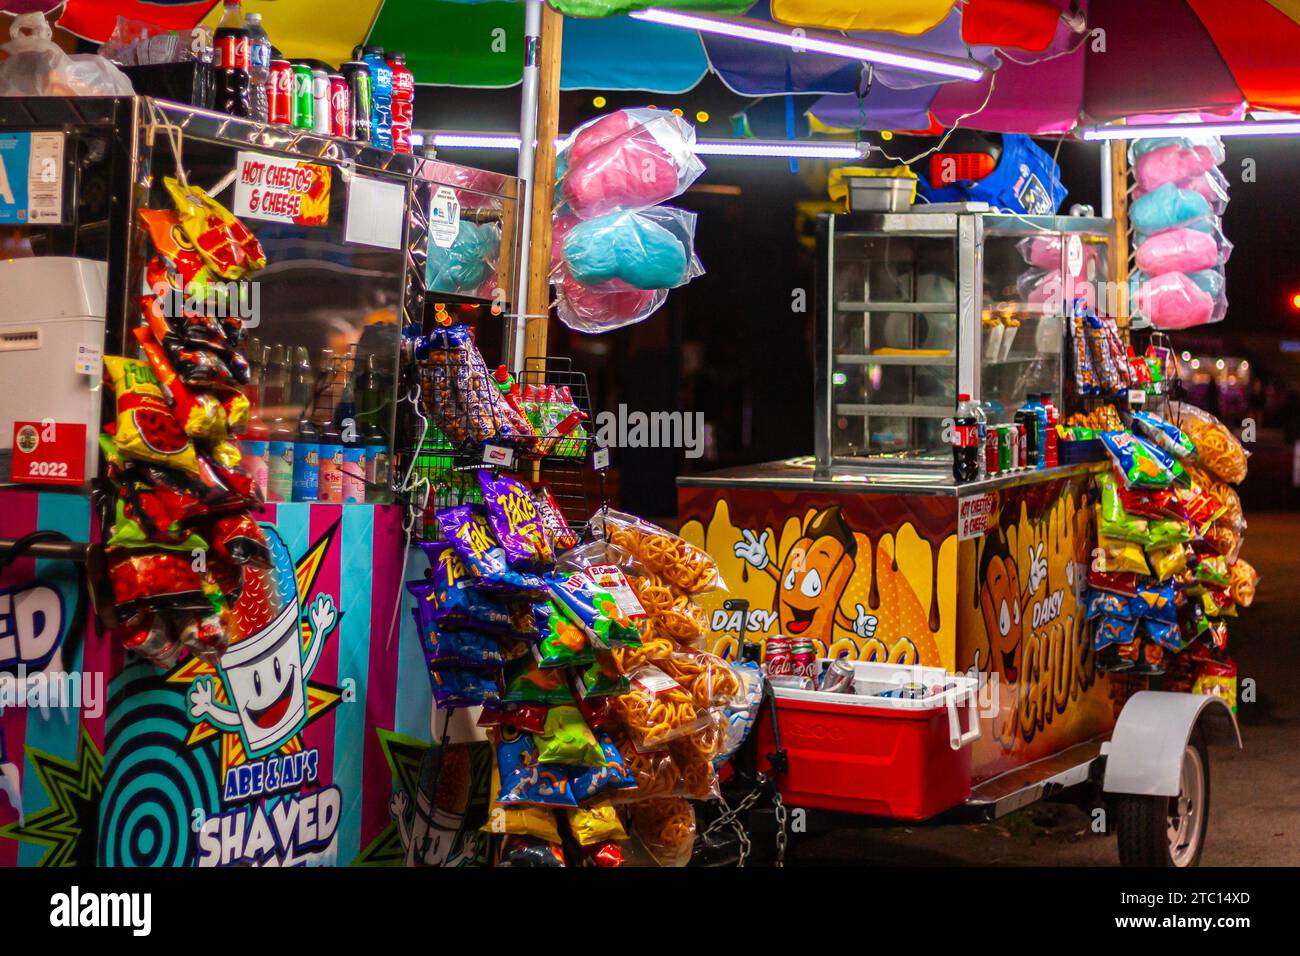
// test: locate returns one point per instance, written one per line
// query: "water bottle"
(259, 70)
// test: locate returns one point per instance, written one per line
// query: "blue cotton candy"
(1166, 207)
(625, 246)
(462, 266)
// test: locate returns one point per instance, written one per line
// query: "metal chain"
(779, 807)
(731, 817)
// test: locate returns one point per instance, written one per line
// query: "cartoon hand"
(753, 550)
(322, 615)
(1037, 568)
(864, 625)
(201, 697)
(397, 805)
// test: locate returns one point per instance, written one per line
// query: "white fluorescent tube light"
(1263, 128)
(816, 41)
(474, 140)
(788, 149)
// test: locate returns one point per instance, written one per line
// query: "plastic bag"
(1175, 300)
(1044, 252)
(1218, 450)
(1182, 250)
(656, 709)
(689, 569)
(464, 265)
(649, 249)
(1166, 207)
(585, 309)
(666, 828)
(1171, 163)
(629, 159)
(36, 66)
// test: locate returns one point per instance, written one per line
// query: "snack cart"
(177, 773)
(973, 591)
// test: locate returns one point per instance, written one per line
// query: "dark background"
(729, 345)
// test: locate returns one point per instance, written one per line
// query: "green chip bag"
(568, 740)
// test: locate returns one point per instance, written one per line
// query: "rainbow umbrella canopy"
(1051, 65)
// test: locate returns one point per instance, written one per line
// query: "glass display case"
(915, 308)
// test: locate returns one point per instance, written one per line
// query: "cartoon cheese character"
(265, 669)
(813, 578)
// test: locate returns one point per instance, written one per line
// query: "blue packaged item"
(522, 779)
(1166, 207)
(1026, 180)
(466, 528)
(1110, 630)
(464, 688)
(306, 471)
(464, 265)
(449, 648)
(1157, 602)
(1106, 603)
(613, 775)
(453, 599)
(1165, 434)
(1163, 633)
(626, 246)
(381, 97)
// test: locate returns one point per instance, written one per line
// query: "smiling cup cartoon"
(265, 669)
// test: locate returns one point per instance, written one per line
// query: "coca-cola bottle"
(231, 62)
(965, 441)
(403, 105)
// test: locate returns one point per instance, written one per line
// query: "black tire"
(1143, 824)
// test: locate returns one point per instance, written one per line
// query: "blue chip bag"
(1140, 464)
(1165, 634)
(455, 648)
(464, 688)
(1113, 630)
(455, 600)
(1164, 434)
(1157, 602)
(467, 529)
(1104, 603)
(613, 775)
(523, 779)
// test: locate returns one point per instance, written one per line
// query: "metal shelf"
(896, 411)
(943, 308)
(851, 358)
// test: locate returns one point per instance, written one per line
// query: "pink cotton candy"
(629, 172)
(1171, 164)
(1173, 301)
(600, 132)
(559, 229)
(1177, 250)
(616, 304)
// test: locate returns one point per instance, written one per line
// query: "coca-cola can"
(991, 450)
(279, 93)
(803, 659)
(320, 102)
(838, 677)
(777, 657)
(341, 122)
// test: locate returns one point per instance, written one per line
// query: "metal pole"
(1107, 173)
(527, 151)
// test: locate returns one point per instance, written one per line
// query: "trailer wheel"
(1168, 831)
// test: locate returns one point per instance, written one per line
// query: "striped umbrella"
(1054, 64)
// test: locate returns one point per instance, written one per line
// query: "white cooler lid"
(42, 288)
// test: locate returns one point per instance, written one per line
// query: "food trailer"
(870, 549)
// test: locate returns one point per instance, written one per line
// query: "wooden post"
(537, 300)
(1119, 210)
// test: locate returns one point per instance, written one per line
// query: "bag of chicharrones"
(628, 159)
(1218, 450)
(688, 569)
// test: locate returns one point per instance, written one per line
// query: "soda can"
(1004, 448)
(341, 123)
(279, 93)
(792, 682)
(320, 102)
(1022, 445)
(303, 117)
(777, 656)
(838, 677)
(803, 658)
(990, 450)
(357, 75)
